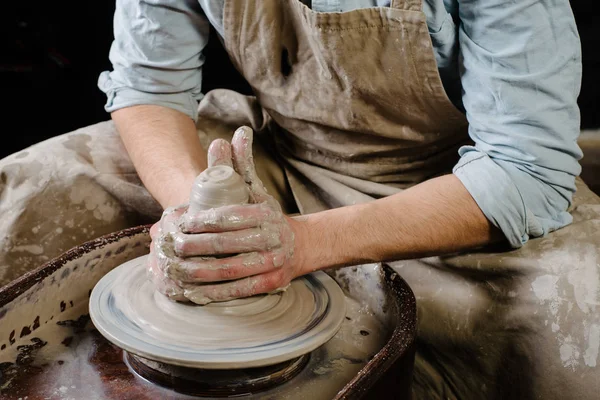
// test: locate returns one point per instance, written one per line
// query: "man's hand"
(255, 241)
(161, 255)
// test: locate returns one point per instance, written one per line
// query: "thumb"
(154, 230)
(243, 162)
(219, 153)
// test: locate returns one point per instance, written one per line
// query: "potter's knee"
(58, 161)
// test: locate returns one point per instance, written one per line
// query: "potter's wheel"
(246, 333)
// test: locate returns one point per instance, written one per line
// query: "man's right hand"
(162, 255)
(161, 232)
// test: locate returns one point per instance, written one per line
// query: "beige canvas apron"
(357, 97)
(352, 106)
(360, 112)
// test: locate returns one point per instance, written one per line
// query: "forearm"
(436, 217)
(165, 149)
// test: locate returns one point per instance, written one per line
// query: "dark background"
(52, 53)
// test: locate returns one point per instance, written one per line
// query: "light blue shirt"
(514, 67)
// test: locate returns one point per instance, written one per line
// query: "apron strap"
(409, 5)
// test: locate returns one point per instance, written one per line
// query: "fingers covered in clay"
(162, 282)
(169, 221)
(266, 237)
(225, 269)
(158, 258)
(269, 282)
(227, 218)
(243, 162)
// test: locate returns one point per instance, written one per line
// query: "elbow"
(521, 203)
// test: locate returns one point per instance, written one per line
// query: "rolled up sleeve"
(156, 55)
(521, 74)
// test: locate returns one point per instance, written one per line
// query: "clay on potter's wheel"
(217, 186)
(252, 332)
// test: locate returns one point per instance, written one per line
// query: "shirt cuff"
(121, 96)
(499, 198)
